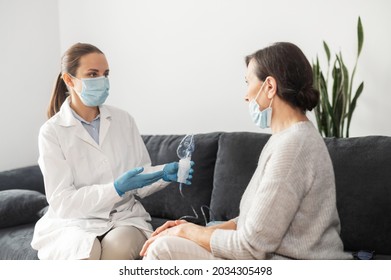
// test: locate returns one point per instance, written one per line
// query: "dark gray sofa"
(225, 163)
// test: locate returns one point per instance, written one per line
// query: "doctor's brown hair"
(70, 61)
(286, 63)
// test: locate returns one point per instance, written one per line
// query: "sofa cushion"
(363, 181)
(168, 203)
(19, 207)
(27, 178)
(15, 243)
(237, 159)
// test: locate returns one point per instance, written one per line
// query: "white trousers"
(177, 248)
(120, 243)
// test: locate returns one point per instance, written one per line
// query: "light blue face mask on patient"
(262, 118)
(94, 91)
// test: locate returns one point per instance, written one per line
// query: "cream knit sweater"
(289, 207)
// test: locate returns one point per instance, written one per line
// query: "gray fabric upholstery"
(237, 159)
(362, 170)
(15, 243)
(18, 207)
(27, 178)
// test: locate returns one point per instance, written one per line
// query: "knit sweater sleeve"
(270, 205)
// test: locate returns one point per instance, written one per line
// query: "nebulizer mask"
(184, 151)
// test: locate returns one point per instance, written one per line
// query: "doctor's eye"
(92, 74)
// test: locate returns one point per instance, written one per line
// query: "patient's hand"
(171, 228)
(167, 225)
(199, 234)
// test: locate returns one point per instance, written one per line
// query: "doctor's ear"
(68, 80)
(271, 84)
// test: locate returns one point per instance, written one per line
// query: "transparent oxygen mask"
(184, 151)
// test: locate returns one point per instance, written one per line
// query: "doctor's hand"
(170, 172)
(132, 180)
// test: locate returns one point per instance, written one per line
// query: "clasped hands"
(132, 179)
(170, 228)
(181, 228)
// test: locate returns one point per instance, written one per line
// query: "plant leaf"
(327, 111)
(354, 101)
(345, 76)
(360, 36)
(353, 106)
(345, 93)
(337, 77)
(318, 108)
(327, 50)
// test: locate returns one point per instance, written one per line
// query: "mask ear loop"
(259, 92)
(78, 93)
(271, 101)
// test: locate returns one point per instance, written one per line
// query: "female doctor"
(94, 162)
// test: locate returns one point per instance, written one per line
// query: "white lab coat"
(79, 174)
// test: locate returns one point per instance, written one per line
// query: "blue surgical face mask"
(262, 118)
(94, 91)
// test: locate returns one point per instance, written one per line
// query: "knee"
(116, 249)
(114, 245)
(122, 244)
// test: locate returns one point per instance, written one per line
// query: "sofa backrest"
(362, 168)
(237, 159)
(28, 178)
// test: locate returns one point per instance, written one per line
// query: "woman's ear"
(68, 80)
(271, 87)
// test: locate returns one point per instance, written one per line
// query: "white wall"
(177, 65)
(29, 53)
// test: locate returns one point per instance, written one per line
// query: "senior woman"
(288, 210)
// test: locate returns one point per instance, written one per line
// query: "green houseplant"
(337, 101)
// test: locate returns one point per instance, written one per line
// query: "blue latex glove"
(132, 180)
(170, 172)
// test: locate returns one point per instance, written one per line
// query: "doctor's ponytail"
(58, 96)
(69, 64)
